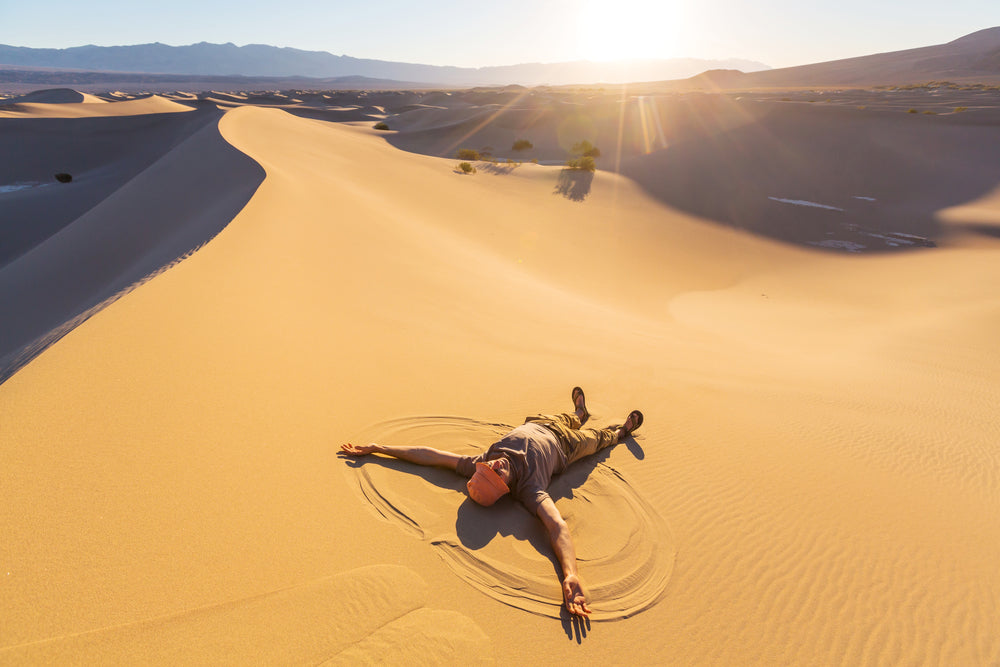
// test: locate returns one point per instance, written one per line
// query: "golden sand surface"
(817, 480)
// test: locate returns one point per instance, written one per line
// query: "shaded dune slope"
(886, 172)
(132, 211)
(101, 154)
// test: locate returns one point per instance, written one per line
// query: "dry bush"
(586, 149)
(584, 163)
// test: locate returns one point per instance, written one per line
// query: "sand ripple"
(625, 549)
(369, 615)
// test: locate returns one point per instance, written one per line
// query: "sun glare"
(628, 29)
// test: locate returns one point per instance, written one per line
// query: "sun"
(629, 29)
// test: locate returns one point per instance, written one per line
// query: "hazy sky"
(476, 33)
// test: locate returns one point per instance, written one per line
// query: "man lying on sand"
(522, 463)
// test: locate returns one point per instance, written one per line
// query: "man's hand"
(576, 601)
(358, 450)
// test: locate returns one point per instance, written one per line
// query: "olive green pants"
(576, 442)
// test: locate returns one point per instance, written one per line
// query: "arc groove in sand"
(624, 579)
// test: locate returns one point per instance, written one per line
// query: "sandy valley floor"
(817, 480)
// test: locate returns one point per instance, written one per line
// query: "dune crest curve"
(175, 205)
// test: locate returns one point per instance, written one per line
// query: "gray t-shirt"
(535, 456)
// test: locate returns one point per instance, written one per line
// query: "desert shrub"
(911, 111)
(381, 126)
(466, 168)
(534, 160)
(468, 154)
(583, 163)
(586, 149)
(522, 145)
(961, 109)
(931, 113)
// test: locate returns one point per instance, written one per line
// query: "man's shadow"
(476, 526)
(439, 477)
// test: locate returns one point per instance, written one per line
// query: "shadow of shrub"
(574, 184)
(500, 168)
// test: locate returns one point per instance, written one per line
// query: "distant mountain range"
(258, 60)
(974, 57)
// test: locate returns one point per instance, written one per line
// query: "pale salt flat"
(14, 187)
(849, 246)
(803, 202)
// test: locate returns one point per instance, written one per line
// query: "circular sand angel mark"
(624, 548)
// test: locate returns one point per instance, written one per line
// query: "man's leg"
(576, 442)
(564, 420)
(570, 421)
(587, 441)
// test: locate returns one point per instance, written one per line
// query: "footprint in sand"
(625, 549)
(371, 615)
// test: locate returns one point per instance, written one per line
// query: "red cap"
(486, 487)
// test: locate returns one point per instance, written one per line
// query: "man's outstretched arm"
(425, 456)
(562, 544)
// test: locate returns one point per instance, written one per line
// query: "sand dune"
(55, 96)
(817, 481)
(89, 107)
(129, 212)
